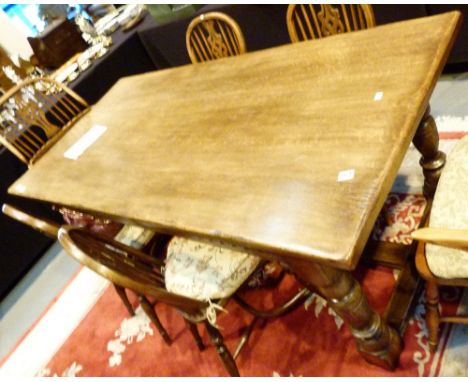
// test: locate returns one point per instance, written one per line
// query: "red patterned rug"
(308, 342)
(312, 341)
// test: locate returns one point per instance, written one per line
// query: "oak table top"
(290, 150)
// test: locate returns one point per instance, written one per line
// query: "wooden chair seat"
(450, 211)
(206, 269)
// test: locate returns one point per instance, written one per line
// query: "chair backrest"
(35, 114)
(123, 265)
(311, 21)
(214, 35)
(42, 225)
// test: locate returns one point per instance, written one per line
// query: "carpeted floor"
(87, 331)
(312, 341)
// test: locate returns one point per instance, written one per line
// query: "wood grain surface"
(249, 148)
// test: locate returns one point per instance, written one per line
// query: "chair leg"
(246, 335)
(223, 351)
(123, 296)
(432, 314)
(149, 310)
(196, 336)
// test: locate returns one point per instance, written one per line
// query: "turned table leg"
(426, 140)
(378, 343)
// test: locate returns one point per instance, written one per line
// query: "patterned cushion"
(206, 269)
(134, 236)
(450, 210)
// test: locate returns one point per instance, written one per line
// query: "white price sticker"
(346, 175)
(378, 96)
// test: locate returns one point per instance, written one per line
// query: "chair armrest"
(45, 226)
(456, 238)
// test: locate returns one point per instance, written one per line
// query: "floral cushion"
(206, 269)
(134, 236)
(450, 210)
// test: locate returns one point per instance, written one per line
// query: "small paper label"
(82, 144)
(20, 188)
(345, 175)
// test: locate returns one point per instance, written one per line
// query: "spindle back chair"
(132, 269)
(35, 114)
(214, 35)
(311, 21)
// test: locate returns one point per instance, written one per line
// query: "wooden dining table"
(289, 152)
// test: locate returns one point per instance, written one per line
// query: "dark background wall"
(264, 26)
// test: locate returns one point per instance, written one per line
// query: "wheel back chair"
(213, 35)
(165, 281)
(35, 114)
(311, 21)
(442, 253)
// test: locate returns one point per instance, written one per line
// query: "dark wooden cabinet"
(57, 43)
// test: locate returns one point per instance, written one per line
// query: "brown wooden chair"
(50, 229)
(168, 281)
(214, 35)
(35, 114)
(311, 21)
(442, 253)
